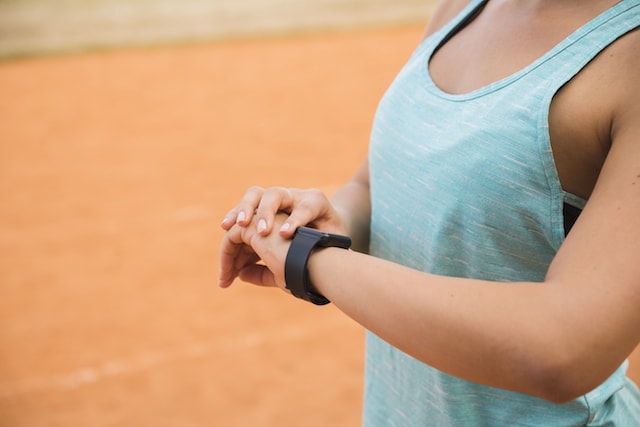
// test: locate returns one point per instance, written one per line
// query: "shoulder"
(444, 12)
(620, 63)
(607, 90)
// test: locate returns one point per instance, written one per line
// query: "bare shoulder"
(444, 12)
(606, 93)
(615, 94)
(621, 62)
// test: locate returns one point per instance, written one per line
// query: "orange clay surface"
(116, 169)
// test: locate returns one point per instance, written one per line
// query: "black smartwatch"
(296, 275)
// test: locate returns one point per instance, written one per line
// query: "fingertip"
(286, 229)
(262, 227)
(224, 283)
(225, 276)
(226, 223)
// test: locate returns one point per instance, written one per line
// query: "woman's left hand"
(242, 249)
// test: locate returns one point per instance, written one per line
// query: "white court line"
(118, 367)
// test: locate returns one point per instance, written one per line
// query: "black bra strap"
(571, 214)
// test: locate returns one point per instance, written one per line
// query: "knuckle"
(268, 200)
(273, 192)
(252, 194)
(305, 205)
(251, 197)
(316, 193)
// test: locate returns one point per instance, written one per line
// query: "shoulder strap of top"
(469, 13)
(466, 15)
(593, 37)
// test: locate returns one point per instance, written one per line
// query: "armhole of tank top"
(572, 204)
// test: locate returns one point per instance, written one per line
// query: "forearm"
(498, 334)
(353, 204)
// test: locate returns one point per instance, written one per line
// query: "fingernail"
(262, 225)
(241, 217)
(285, 227)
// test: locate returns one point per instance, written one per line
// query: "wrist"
(297, 278)
(325, 270)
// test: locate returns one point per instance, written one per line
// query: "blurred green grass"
(32, 27)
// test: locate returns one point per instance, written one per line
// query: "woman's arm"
(348, 212)
(557, 339)
(353, 202)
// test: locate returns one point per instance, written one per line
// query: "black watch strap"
(296, 274)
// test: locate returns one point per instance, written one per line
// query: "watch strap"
(295, 269)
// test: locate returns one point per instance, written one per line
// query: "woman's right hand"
(304, 208)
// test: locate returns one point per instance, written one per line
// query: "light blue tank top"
(466, 186)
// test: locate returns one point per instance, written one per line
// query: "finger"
(248, 205)
(274, 200)
(234, 255)
(228, 253)
(229, 219)
(310, 206)
(245, 258)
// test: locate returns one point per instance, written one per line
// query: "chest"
(505, 38)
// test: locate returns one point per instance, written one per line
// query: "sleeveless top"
(465, 185)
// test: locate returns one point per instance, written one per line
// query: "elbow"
(562, 361)
(557, 386)
(563, 379)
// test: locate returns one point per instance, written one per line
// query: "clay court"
(116, 168)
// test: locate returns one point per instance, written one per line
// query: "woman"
(510, 119)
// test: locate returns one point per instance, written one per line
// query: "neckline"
(471, 12)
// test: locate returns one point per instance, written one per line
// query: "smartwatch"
(296, 275)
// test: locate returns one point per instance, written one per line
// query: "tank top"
(465, 185)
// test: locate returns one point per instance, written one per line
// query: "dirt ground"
(115, 171)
